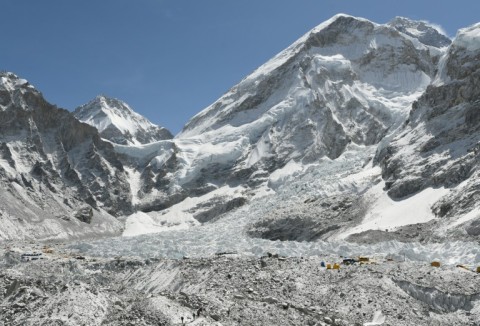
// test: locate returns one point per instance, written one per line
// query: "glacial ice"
(228, 234)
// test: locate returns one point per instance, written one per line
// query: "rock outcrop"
(50, 164)
(440, 143)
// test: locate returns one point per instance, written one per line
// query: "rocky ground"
(228, 289)
(309, 220)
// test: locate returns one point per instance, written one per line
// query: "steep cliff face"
(56, 171)
(440, 144)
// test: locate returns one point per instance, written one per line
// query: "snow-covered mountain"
(356, 131)
(348, 83)
(59, 179)
(117, 122)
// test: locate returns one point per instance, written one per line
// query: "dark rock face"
(422, 232)
(85, 214)
(216, 207)
(474, 228)
(52, 153)
(291, 229)
(439, 146)
(309, 221)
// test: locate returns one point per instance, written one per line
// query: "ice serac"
(59, 179)
(440, 144)
(348, 82)
(118, 123)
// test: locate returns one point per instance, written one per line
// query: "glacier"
(228, 234)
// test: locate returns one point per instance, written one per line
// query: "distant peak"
(8, 74)
(100, 98)
(401, 20)
(106, 98)
(341, 18)
(105, 102)
(341, 15)
(426, 32)
(10, 81)
(421, 24)
(118, 122)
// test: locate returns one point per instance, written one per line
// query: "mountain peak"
(9, 81)
(427, 33)
(343, 20)
(342, 16)
(12, 89)
(117, 122)
(111, 103)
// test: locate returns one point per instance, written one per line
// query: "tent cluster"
(347, 261)
(367, 260)
(436, 263)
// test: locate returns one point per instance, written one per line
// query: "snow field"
(388, 214)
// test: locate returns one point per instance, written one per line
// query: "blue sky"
(169, 59)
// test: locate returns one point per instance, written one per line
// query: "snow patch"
(388, 214)
(154, 222)
(176, 217)
(280, 176)
(378, 319)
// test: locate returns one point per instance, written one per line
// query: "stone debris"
(233, 290)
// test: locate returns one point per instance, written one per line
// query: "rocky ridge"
(439, 145)
(425, 32)
(55, 171)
